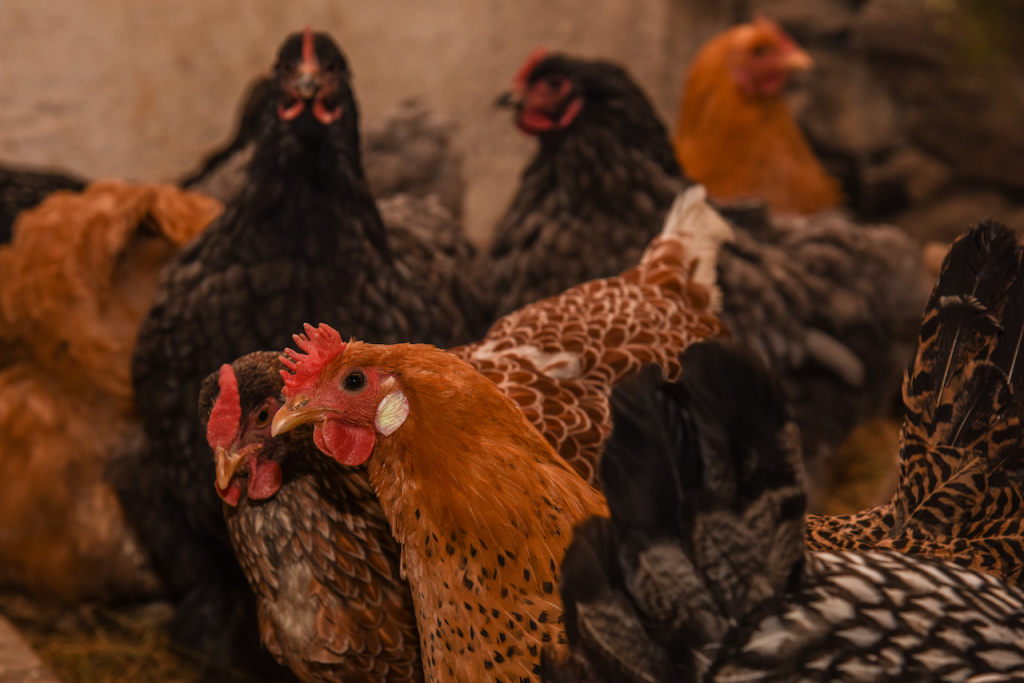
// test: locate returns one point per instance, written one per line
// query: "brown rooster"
(77, 279)
(735, 133)
(558, 359)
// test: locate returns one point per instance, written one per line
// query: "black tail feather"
(704, 484)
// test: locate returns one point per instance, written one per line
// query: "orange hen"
(481, 503)
(78, 276)
(735, 133)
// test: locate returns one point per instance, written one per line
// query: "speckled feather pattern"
(883, 616)
(959, 496)
(318, 554)
(324, 566)
(560, 357)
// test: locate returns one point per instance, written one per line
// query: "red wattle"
(231, 494)
(323, 114)
(533, 122)
(571, 112)
(289, 113)
(347, 443)
(264, 478)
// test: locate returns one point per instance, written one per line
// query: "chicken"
(701, 573)
(78, 277)
(831, 306)
(597, 191)
(22, 189)
(538, 357)
(559, 358)
(310, 536)
(303, 240)
(407, 151)
(735, 133)
(480, 502)
(962, 444)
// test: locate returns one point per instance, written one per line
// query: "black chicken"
(302, 241)
(310, 536)
(701, 573)
(406, 150)
(831, 306)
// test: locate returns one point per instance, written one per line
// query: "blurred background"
(911, 99)
(916, 106)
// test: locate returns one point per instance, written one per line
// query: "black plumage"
(595, 194)
(831, 306)
(302, 242)
(701, 572)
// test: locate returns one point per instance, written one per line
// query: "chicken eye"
(760, 50)
(554, 82)
(355, 381)
(263, 417)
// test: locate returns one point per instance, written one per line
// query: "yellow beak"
(227, 465)
(798, 60)
(294, 413)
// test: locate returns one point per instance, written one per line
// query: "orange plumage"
(481, 503)
(77, 278)
(735, 133)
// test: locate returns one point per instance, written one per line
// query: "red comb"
(523, 75)
(227, 411)
(308, 46)
(321, 345)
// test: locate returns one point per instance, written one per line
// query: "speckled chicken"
(557, 359)
(701, 573)
(962, 446)
(303, 240)
(481, 503)
(310, 536)
(831, 306)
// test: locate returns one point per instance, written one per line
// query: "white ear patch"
(391, 413)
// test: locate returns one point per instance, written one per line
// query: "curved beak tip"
(799, 60)
(290, 416)
(227, 465)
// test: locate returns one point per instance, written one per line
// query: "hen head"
(312, 80)
(759, 56)
(352, 392)
(557, 97)
(236, 405)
